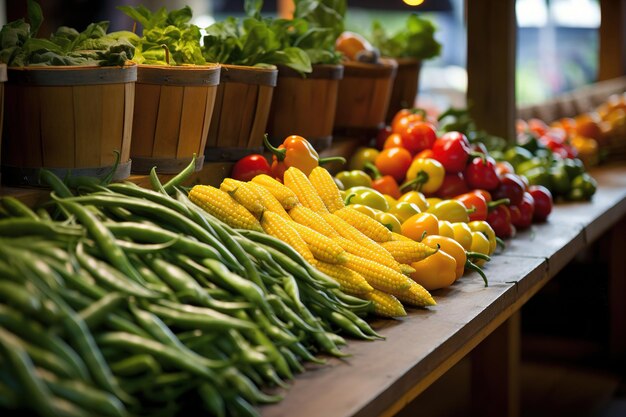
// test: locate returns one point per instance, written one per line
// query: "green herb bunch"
(415, 40)
(66, 46)
(254, 41)
(167, 38)
(317, 25)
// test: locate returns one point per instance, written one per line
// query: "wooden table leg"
(495, 372)
(617, 291)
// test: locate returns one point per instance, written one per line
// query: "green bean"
(155, 182)
(23, 226)
(8, 397)
(160, 351)
(292, 360)
(177, 279)
(181, 177)
(16, 208)
(47, 360)
(272, 353)
(187, 316)
(269, 374)
(300, 350)
(246, 388)
(249, 354)
(278, 334)
(97, 312)
(133, 190)
(103, 238)
(80, 280)
(43, 214)
(34, 388)
(349, 326)
(336, 339)
(51, 179)
(291, 315)
(137, 364)
(84, 395)
(240, 407)
(19, 297)
(111, 277)
(212, 399)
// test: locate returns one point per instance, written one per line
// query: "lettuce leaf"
(415, 40)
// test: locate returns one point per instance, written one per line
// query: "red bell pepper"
(452, 150)
(249, 167)
(543, 202)
(384, 184)
(481, 173)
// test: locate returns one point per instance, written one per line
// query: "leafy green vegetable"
(317, 25)
(416, 40)
(66, 46)
(255, 41)
(163, 29)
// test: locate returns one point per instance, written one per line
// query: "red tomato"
(249, 167)
(394, 162)
(418, 136)
(452, 150)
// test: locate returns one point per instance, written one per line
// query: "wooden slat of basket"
(259, 124)
(89, 133)
(168, 122)
(144, 120)
(230, 121)
(129, 103)
(249, 105)
(214, 126)
(57, 127)
(112, 124)
(194, 103)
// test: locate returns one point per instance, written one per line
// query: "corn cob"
(283, 194)
(302, 187)
(349, 232)
(326, 188)
(244, 194)
(323, 248)
(377, 275)
(408, 252)
(280, 228)
(406, 269)
(351, 282)
(415, 295)
(269, 201)
(307, 217)
(224, 207)
(385, 305)
(365, 224)
(359, 250)
(398, 237)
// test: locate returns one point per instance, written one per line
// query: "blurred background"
(557, 39)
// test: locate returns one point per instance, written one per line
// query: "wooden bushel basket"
(405, 86)
(364, 94)
(242, 107)
(305, 105)
(3, 78)
(70, 120)
(173, 110)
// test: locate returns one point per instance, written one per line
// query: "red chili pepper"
(295, 151)
(510, 187)
(249, 167)
(475, 201)
(481, 173)
(500, 221)
(452, 150)
(453, 184)
(543, 202)
(385, 184)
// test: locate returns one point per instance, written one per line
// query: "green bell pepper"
(583, 187)
(561, 183)
(361, 157)
(366, 196)
(354, 178)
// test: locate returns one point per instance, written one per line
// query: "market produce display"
(120, 300)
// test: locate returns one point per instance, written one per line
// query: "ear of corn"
(302, 187)
(244, 194)
(322, 247)
(397, 236)
(326, 188)
(365, 224)
(224, 207)
(358, 250)
(269, 202)
(415, 295)
(351, 282)
(307, 217)
(385, 305)
(407, 252)
(283, 194)
(280, 228)
(378, 276)
(406, 269)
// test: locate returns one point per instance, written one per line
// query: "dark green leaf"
(35, 16)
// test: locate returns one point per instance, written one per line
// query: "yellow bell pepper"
(416, 198)
(390, 221)
(462, 234)
(450, 210)
(425, 175)
(484, 228)
(445, 229)
(436, 271)
(403, 210)
(480, 244)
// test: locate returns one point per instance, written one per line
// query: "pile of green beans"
(117, 300)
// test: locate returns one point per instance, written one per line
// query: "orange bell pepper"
(436, 271)
(419, 224)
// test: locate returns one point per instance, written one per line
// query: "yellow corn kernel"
(397, 236)
(323, 248)
(269, 202)
(302, 187)
(385, 305)
(379, 276)
(408, 252)
(415, 295)
(326, 188)
(224, 207)
(280, 228)
(349, 232)
(365, 224)
(244, 194)
(359, 250)
(307, 217)
(283, 194)
(351, 282)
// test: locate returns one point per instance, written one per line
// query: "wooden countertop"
(381, 377)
